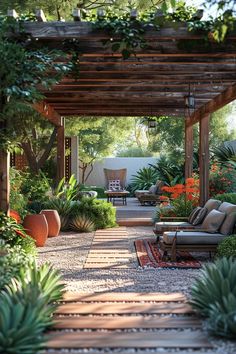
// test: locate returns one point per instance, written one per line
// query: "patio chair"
(151, 196)
(217, 225)
(115, 179)
(192, 222)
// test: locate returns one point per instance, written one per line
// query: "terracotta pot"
(37, 227)
(54, 222)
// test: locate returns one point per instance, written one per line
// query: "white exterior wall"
(133, 164)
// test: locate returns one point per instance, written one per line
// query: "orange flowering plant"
(184, 197)
(222, 179)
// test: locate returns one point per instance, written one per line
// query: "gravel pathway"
(68, 253)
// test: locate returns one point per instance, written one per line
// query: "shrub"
(12, 260)
(217, 281)
(222, 179)
(168, 171)
(65, 210)
(36, 187)
(14, 234)
(67, 191)
(103, 214)
(227, 247)
(226, 197)
(26, 308)
(82, 223)
(144, 178)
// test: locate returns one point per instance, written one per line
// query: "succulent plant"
(216, 283)
(64, 208)
(82, 223)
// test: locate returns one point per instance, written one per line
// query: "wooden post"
(204, 159)
(61, 150)
(188, 148)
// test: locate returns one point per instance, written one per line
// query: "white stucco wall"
(133, 164)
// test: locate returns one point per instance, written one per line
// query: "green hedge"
(226, 197)
(227, 248)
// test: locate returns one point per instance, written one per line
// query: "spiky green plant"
(222, 318)
(26, 307)
(216, 283)
(82, 223)
(225, 154)
(65, 210)
(67, 191)
(144, 179)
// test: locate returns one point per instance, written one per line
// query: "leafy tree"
(98, 137)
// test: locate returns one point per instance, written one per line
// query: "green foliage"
(103, 214)
(227, 248)
(82, 223)
(225, 154)
(134, 152)
(18, 201)
(226, 197)
(67, 191)
(216, 283)
(12, 260)
(35, 187)
(14, 234)
(179, 207)
(26, 308)
(65, 210)
(144, 178)
(168, 171)
(214, 295)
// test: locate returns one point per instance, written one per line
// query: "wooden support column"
(61, 150)
(188, 148)
(204, 159)
(4, 181)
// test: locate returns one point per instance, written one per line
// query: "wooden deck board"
(128, 340)
(124, 308)
(125, 322)
(125, 296)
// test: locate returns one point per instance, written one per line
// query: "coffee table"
(112, 195)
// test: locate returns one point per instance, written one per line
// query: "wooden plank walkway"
(109, 249)
(126, 321)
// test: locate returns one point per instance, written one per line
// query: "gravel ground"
(68, 254)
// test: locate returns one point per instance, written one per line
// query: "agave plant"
(144, 178)
(225, 154)
(216, 283)
(169, 172)
(65, 209)
(82, 223)
(222, 319)
(26, 307)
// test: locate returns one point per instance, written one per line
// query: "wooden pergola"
(156, 81)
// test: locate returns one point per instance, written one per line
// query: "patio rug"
(149, 255)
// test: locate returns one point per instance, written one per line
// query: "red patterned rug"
(149, 255)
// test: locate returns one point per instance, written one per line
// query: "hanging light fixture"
(190, 100)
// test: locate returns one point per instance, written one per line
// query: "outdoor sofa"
(217, 225)
(150, 196)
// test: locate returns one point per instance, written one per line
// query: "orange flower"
(15, 215)
(190, 181)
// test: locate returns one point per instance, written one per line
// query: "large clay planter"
(37, 227)
(54, 222)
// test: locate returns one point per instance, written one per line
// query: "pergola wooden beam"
(188, 149)
(204, 159)
(216, 103)
(48, 112)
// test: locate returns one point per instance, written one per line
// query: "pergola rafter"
(156, 81)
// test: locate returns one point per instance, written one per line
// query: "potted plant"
(37, 227)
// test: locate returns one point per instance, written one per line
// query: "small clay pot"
(54, 222)
(36, 226)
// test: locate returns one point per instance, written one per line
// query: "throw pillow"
(200, 217)
(194, 214)
(213, 221)
(152, 189)
(114, 185)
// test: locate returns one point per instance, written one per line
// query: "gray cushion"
(153, 189)
(193, 238)
(139, 192)
(159, 226)
(194, 214)
(213, 221)
(230, 220)
(212, 204)
(200, 216)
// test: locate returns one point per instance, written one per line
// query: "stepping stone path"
(125, 321)
(110, 249)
